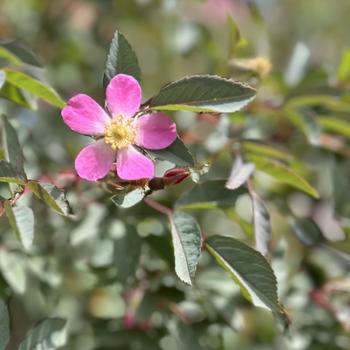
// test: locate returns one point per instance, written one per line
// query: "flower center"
(121, 132)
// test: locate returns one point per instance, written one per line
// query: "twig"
(159, 207)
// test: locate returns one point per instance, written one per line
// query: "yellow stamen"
(121, 132)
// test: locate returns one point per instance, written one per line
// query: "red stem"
(159, 207)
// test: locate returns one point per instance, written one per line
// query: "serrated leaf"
(48, 335)
(34, 86)
(121, 59)
(4, 325)
(21, 219)
(10, 175)
(240, 173)
(12, 148)
(13, 269)
(187, 242)
(203, 93)
(127, 199)
(2, 78)
(15, 95)
(262, 225)
(283, 174)
(250, 270)
(17, 53)
(51, 195)
(209, 194)
(177, 153)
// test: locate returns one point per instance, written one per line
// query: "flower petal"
(94, 161)
(123, 95)
(132, 165)
(156, 131)
(85, 116)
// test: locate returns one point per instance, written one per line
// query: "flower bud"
(175, 176)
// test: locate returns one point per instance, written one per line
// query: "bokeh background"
(110, 271)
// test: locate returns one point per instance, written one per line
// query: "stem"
(159, 207)
(114, 185)
(179, 313)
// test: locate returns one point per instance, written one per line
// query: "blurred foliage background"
(109, 271)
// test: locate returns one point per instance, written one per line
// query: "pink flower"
(118, 132)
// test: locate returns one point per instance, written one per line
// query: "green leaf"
(234, 36)
(89, 226)
(10, 175)
(8, 56)
(344, 67)
(307, 231)
(127, 198)
(210, 194)
(262, 225)
(261, 149)
(4, 325)
(52, 196)
(127, 251)
(245, 225)
(121, 59)
(203, 93)
(147, 306)
(335, 125)
(307, 123)
(330, 102)
(283, 174)
(177, 153)
(48, 335)
(21, 219)
(184, 337)
(250, 270)
(34, 86)
(161, 245)
(121, 339)
(17, 53)
(2, 78)
(13, 269)
(12, 148)
(187, 242)
(15, 95)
